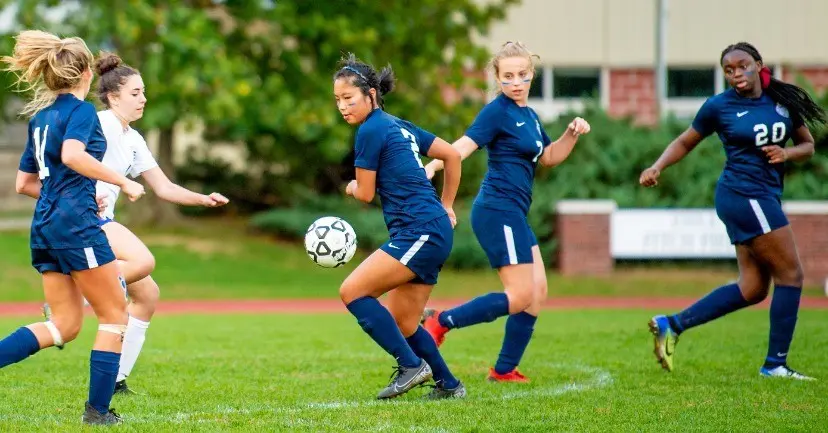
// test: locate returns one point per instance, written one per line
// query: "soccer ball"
(330, 242)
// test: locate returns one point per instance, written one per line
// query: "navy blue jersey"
(392, 148)
(746, 125)
(66, 212)
(515, 139)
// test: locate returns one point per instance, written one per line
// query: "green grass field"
(219, 260)
(591, 371)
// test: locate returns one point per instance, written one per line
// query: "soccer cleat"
(92, 417)
(122, 388)
(512, 376)
(783, 371)
(432, 325)
(664, 340)
(440, 393)
(404, 379)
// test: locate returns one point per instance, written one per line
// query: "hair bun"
(107, 62)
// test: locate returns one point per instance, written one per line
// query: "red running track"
(305, 306)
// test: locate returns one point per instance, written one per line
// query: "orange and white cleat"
(432, 325)
(512, 376)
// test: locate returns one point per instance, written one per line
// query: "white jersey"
(126, 153)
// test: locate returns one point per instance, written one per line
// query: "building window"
(691, 82)
(563, 90)
(536, 91)
(576, 83)
(565, 83)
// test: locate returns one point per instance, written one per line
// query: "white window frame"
(688, 107)
(550, 108)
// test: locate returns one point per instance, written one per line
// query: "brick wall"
(809, 221)
(632, 93)
(583, 232)
(816, 75)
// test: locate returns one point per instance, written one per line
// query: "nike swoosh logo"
(741, 114)
(405, 385)
(393, 246)
(780, 354)
(519, 124)
(450, 321)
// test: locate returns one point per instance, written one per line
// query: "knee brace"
(57, 339)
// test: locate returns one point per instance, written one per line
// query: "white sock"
(133, 341)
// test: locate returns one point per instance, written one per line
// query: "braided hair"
(792, 97)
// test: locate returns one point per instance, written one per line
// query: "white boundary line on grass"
(599, 378)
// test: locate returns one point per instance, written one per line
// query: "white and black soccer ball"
(330, 242)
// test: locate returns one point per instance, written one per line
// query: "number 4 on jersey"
(40, 152)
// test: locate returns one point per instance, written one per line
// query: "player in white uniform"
(121, 89)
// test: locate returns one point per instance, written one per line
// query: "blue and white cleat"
(665, 340)
(783, 371)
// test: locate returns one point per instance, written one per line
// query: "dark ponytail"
(366, 77)
(792, 97)
(386, 80)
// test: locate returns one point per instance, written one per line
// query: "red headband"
(765, 76)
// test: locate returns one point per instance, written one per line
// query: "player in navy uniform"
(62, 160)
(121, 89)
(754, 120)
(420, 225)
(516, 141)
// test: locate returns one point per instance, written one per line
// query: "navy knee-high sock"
(103, 369)
(481, 309)
(783, 314)
(519, 328)
(724, 300)
(18, 346)
(424, 347)
(378, 323)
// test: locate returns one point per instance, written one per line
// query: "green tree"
(259, 72)
(180, 49)
(292, 131)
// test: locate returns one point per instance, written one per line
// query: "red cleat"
(433, 327)
(512, 376)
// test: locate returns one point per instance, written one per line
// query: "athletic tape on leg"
(57, 339)
(114, 329)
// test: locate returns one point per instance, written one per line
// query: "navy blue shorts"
(73, 259)
(505, 236)
(104, 221)
(748, 217)
(423, 249)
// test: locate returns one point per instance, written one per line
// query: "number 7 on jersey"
(414, 148)
(540, 151)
